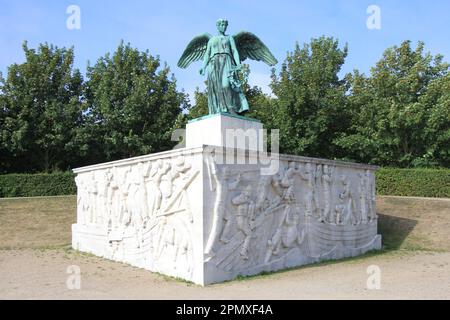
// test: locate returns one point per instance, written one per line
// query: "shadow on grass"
(394, 230)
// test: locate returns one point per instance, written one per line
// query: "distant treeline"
(52, 118)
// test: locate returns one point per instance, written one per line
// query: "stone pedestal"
(188, 213)
(225, 130)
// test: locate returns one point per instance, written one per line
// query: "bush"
(33, 185)
(414, 182)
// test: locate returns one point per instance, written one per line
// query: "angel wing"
(249, 46)
(195, 50)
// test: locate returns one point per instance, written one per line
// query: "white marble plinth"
(225, 130)
(187, 213)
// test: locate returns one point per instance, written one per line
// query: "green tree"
(200, 107)
(310, 106)
(258, 101)
(41, 109)
(133, 104)
(261, 106)
(436, 134)
(396, 113)
(4, 157)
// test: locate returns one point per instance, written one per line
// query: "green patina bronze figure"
(222, 56)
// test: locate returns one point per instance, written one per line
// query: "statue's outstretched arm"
(206, 59)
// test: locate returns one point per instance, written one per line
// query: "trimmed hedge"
(432, 183)
(395, 182)
(40, 184)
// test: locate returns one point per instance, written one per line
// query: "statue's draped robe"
(224, 92)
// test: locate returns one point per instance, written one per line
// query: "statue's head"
(222, 25)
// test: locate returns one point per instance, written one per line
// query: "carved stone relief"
(305, 209)
(193, 217)
(143, 206)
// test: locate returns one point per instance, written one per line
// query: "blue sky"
(165, 27)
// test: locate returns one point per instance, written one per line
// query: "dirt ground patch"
(34, 274)
(35, 257)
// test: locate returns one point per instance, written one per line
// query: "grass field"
(414, 223)
(36, 222)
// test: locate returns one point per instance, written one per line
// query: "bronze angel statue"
(222, 56)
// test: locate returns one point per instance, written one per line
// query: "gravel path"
(42, 274)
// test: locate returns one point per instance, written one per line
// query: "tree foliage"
(400, 114)
(133, 104)
(52, 119)
(41, 109)
(200, 107)
(310, 105)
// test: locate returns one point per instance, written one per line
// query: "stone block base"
(189, 214)
(225, 130)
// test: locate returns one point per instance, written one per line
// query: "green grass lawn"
(36, 222)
